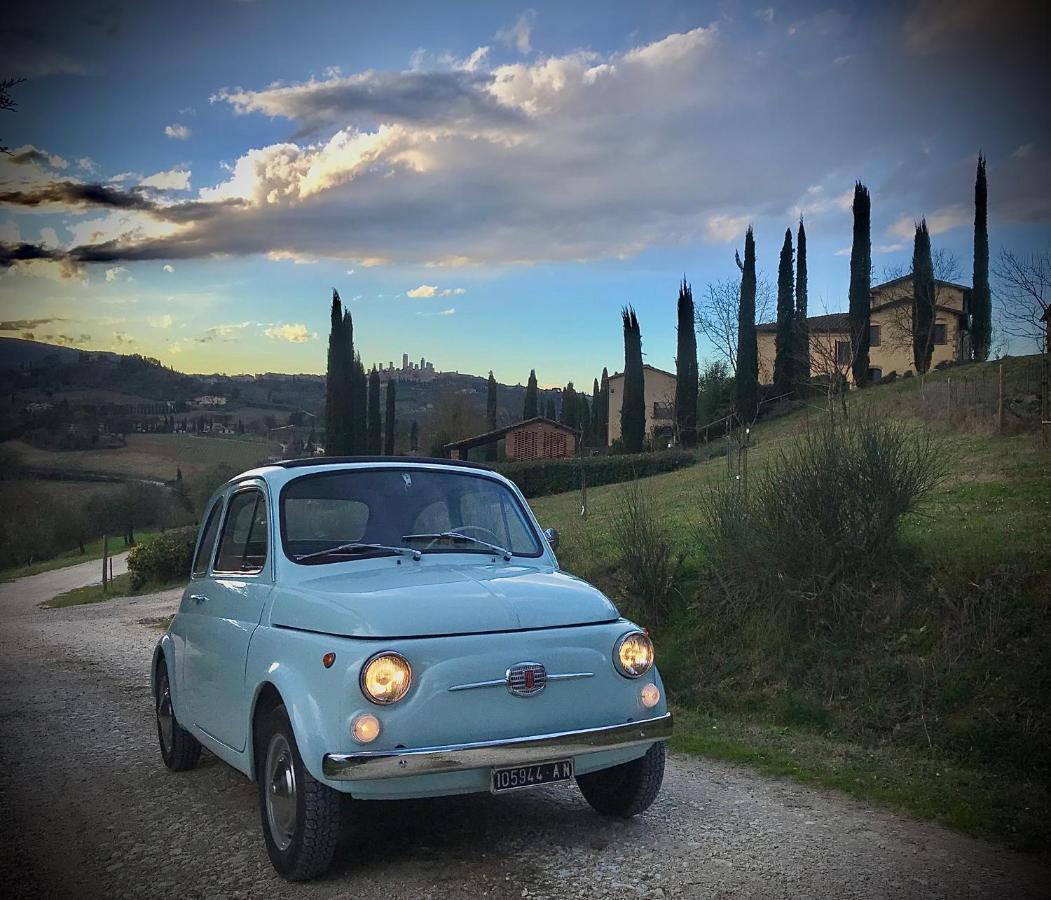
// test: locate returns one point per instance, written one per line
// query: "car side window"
(242, 547)
(204, 549)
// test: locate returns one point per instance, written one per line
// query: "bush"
(164, 558)
(825, 513)
(538, 478)
(649, 563)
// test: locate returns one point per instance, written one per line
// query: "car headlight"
(633, 654)
(386, 677)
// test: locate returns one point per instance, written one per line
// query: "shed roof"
(479, 439)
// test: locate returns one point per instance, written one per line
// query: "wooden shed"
(537, 438)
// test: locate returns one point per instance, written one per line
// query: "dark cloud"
(78, 194)
(24, 324)
(29, 155)
(419, 98)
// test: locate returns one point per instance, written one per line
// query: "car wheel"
(301, 816)
(180, 750)
(625, 790)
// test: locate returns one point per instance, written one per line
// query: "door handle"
(198, 598)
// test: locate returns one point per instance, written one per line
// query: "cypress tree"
(570, 409)
(981, 300)
(490, 416)
(860, 284)
(686, 376)
(584, 419)
(336, 382)
(596, 415)
(633, 407)
(359, 409)
(388, 421)
(375, 426)
(746, 381)
(784, 351)
(531, 409)
(802, 335)
(922, 299)
(604, 410)
(414, 436)
(549, 409)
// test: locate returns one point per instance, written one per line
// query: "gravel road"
(88, 809)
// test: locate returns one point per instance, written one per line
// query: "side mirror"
(552, 538)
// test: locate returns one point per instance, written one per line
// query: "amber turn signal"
(328, 659)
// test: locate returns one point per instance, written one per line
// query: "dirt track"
(89, 809)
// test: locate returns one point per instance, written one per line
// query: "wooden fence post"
(105, 562)
(1000, 401)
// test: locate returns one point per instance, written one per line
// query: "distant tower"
(390, 365)
(422, 361)
(405, 362)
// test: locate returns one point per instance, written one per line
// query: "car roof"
(400, 460)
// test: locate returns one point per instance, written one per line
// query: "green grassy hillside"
(931, 691)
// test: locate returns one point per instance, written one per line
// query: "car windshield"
(355, 513)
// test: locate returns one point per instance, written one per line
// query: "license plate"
(514, 778)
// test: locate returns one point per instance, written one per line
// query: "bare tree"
(715, 315)
(1023, 296)
(947, 267)
(7, 102)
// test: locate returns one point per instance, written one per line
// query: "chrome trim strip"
(481, 754)
(501, 682)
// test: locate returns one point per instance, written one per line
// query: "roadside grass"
(931, 694)
(92, 552)
(159, 622)
(981, 801)
(152, 456)
(120, 587)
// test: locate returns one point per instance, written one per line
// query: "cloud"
(432, 290)
(117, 273)
(299, 259)
(766, 14)
(576, 156)
(1024, 151)
(223, 333)
(177, 132)
(294, 334)
(451, 311)
(25, 324)
(167, 267)
(520, 34)
(366, 99)
(171, 180)
(27, 154)
(122, 339)
(938, 222)
(164, 321)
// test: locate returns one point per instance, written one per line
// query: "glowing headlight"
(386, 678)
(633, 654)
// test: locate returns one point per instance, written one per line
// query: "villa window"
(842, 353)
(939, 333)
(874, 335)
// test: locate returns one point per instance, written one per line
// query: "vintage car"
(385, 628)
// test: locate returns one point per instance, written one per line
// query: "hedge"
(538, 478)
(164, 558)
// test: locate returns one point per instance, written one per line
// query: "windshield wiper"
(355, 547)
(457, 536)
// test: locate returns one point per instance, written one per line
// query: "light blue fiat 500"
(377, 629)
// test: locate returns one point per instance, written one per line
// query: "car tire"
(301, 816)
(180, 750)
(626, 790)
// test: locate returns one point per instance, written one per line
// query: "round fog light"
(366, 728)
(650, 696)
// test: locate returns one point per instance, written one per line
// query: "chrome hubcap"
(165, 717)
(280, 787)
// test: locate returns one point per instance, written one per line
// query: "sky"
(487, 184)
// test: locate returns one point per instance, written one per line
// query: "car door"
(228, 607)
(190, 609)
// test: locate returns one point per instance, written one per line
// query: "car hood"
(436, 599)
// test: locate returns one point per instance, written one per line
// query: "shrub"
(824, 513)
(538, 478)
(163, 558)
(648, 560)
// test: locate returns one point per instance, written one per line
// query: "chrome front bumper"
(481, 754)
